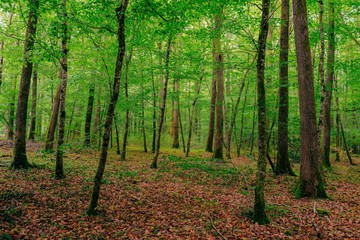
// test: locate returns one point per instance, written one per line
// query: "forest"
(179, 119)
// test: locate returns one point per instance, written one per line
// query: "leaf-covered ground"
(194, 198)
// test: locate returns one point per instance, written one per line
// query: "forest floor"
(194, 198)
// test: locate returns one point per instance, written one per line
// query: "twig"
(313, 221)
(213, 226)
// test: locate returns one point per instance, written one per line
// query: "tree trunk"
(49, 143)
(20, 158)
(235, 110)
(311, 184)
(59, 171)
(219, 73)
(117, 135)
(338, 136)
(127, 118)
(242, 119)
(191, 119)
(120, 13)
(328, 88)
(11, 116)
(259, 205)
(321, 76)
(252, 135)
(97, 124)
(89, 112)
(210, 138)
(153, 142)
(143, 117)
(175, 124)
(33, 106)
(1, 62)
(283, 164)
(163, 104)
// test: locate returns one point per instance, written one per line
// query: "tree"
(283, 164)
(328, 88)
(175, 123)
(120, 13)
(33, 106)
(163, 104)
(49, 143)
(89, 112)
(210, 138)
(310, 182)
(219, 73)
(59, 171)
(259, 205)
(20, 158)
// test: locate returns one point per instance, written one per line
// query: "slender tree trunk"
(1, 62)
(97, 124)
(242, 119)
(252, 135)
(143, 117)
(345, 144)
(163, 104)
(49, 143)
(120, 13)
(321, 76)
(127, 118)
(181, 131)
(219, 70)
(235, 110)
(153, 143)
(328, 88)
(11, 116)
(175, 124)
(210, 138)
(117, 135)
(20, 158)
(311, 184)
(283, 164)
(33, 106)
(89, 112)
(259, 204)
(337, 122)
(59, 171)
(70, 130)
(191, 119)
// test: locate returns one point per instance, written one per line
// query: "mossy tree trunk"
(310, 182)
(259, 204)
(20, 158)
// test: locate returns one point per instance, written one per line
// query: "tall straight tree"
(33, 106)
(49, 142)
(20, 158)
(176, 110)
(219, 74)
(120, 13)
(328, 88)
(210, 138)
(89, 112)
(59, 171)
(310, 183)
(163, 104)
(283, 164)
(259, 205)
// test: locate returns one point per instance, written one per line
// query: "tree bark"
(310, 184)
(259, 204)
(283, 164)
(338, 136)
(175, 124)
(49, 143)
(20, 158)
(163, 104)
(59, 170)
(120, 13)
(11, 115)
(210, 138)
(89, 112)
(143, 117)
(127, 117)
(328, 88)
(33, 106)
(219, 73)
